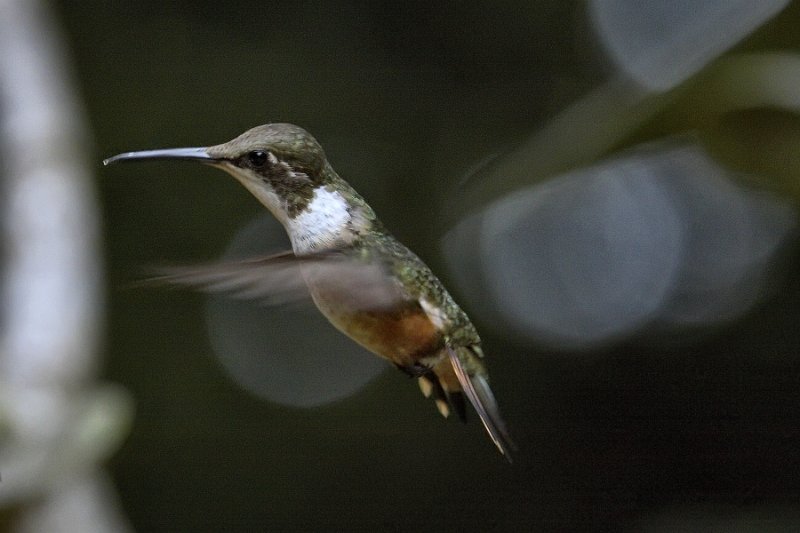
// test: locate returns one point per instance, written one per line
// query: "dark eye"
(257, 158)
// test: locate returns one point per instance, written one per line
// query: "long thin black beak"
(187, 154)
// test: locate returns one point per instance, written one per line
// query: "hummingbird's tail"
(476, 388)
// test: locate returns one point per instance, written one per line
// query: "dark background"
(405, 98)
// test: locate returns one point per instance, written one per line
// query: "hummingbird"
(361, 278)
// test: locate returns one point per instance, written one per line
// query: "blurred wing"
(282, 278)
(477, 390)
(273, 280)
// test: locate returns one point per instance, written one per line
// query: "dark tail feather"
(476, 388)
(458, 404)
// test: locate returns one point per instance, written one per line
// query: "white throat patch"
(324, 222)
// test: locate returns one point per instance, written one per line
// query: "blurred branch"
(579, 135)
(51, 282)
(765, 150)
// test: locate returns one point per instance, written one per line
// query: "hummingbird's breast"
(369, 296)
(403, 333)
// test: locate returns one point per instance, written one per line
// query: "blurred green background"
(406, 98)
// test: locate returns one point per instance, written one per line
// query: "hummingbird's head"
(281, 164)
(285, 168)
